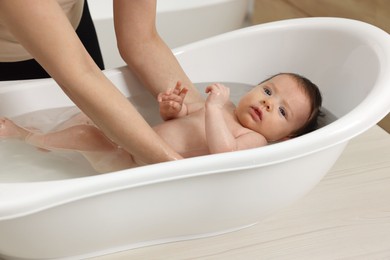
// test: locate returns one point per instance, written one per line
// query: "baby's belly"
(185, 135)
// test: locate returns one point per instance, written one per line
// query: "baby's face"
(275, 108)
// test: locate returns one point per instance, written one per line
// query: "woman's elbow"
(131, 47)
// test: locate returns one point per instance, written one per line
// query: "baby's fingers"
(174, 98)
(175, 106)
(183, 92)
(177, 88)
(164, 95)
(180, 90)
(216, 88)
(211, 88)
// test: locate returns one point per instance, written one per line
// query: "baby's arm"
(218, 134)
(171, 103)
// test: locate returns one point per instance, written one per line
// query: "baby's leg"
(79, 137)
(77, 119)
(102, 153)
(109, 161)
(9, 129)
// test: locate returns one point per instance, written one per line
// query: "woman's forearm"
(122, 123)
(144, 51)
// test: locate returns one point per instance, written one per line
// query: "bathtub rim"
(25, 199)
(336, 133)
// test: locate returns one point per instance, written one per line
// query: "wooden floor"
(375, 12)
(385, 123)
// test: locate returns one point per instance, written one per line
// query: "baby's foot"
(9, 129)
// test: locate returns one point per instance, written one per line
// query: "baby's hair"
(313, 93)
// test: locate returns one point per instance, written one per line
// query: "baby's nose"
(267, 104)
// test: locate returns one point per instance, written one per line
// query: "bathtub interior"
(33, 165)
(178, 22)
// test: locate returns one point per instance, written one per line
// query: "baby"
(282, 107)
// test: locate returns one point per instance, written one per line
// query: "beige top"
(11, 50)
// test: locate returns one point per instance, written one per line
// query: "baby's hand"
(218, 94)
(171, 101)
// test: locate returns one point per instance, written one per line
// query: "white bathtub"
(178, 22)
(209, 195)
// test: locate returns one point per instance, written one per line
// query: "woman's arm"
(43, 29)
(144, 51)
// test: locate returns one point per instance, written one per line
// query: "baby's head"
(283, 106)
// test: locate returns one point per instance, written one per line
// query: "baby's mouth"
(256, 113)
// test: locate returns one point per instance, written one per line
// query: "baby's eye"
(282, 111)
(267, 91)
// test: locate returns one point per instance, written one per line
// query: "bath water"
(20, 162)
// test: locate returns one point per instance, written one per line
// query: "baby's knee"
(84, 131)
